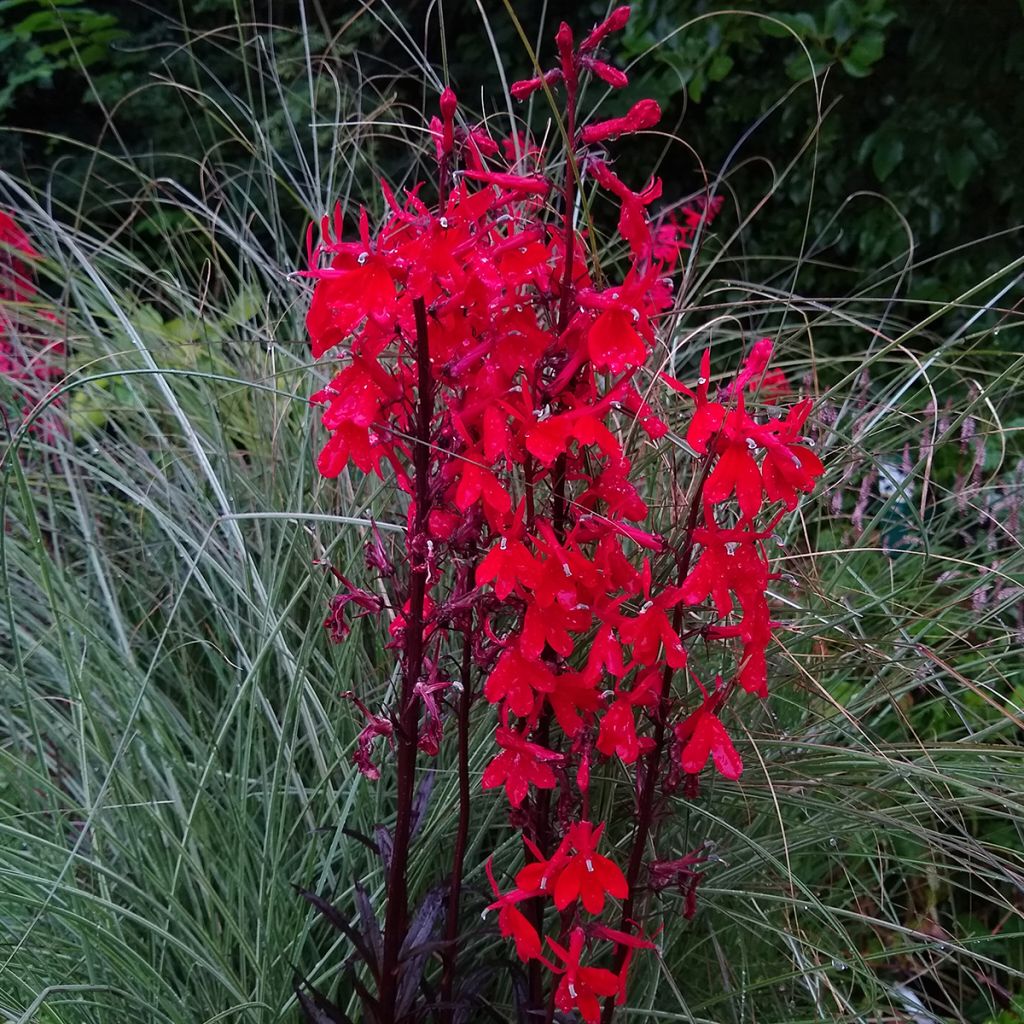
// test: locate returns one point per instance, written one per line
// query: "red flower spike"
(498, 386)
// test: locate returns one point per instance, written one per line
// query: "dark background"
(922, 132)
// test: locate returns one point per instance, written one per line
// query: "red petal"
(727, 760)
(613, 343)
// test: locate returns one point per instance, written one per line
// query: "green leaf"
(853, 69)
(960, 166)
(803, 24)
(697, 86)
(720, 67)
(868, 49)
(839, 21)
(888, 152)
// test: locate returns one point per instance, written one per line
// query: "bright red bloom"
(634, 224)
(513, 924)
(580, 988)
(517, 680)
(651, 630)
(701, 735)
(588, 876)
(618, 724)
(521, 764)
(508, 566)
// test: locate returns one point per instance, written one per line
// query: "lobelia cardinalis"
(492, 368)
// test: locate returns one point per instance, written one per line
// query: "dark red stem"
(407, 718)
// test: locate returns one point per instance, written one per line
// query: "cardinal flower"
(520, 764)
(702, 735)
(513, 924)
(588, 876)
(617, 734)
(581, 988)
(516, 681)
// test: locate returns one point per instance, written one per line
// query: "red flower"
(521, 764)
(634, 224)
(508, 566)
(513, 924)
(588, 876)
(651, 629)
(701, 735)
(580, 988)
(358, 284)
(516, 681)
(618, 724)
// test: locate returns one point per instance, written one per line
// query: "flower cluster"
(493, 369)
(29, 357)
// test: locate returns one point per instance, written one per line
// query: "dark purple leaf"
(367, 1001)
(385, 844)
(362, 837)
(421, 801)
(370, 924)
(316, 1008)
(338, 922)
(426, 917)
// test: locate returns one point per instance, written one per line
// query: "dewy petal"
(614, 343)
(709, 739)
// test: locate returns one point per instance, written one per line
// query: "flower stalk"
(532, 564)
